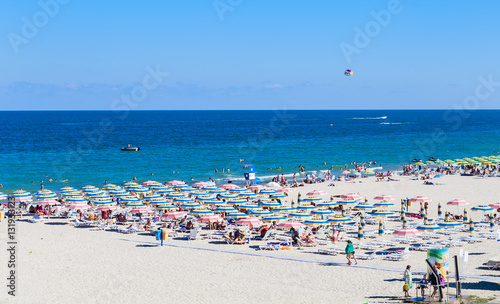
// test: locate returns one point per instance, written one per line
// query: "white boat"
(130, 148)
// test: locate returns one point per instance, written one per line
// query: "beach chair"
(364, 256)
(231, 241)
(328, 251)
(398, 256)
(274, 246)
(35, 219)
(193, 234)
(493, 263)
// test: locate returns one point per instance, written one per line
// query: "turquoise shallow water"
(83, 147)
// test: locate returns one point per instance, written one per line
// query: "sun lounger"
(35, 219)
(493, 263)
(399, 256)
(328, 251)
(364, 256)
(231, 241)
(274, 245)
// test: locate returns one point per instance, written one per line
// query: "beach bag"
(406, 287)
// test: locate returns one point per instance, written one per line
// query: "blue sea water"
(83, 147)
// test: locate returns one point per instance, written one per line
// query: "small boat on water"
(130, 148)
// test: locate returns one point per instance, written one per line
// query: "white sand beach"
(59, 263)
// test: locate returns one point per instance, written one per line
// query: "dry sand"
(58, 263)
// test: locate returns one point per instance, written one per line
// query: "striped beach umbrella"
(322, 212)
(278, 195)
(165, 191)
(364, 206)
(312, 199)
(420, 199)
(122, 195)
(339, 219)
(300, 215)
(166, 207)
(429, 227)
(260, 213)
(283, 209)
(299, 198)
(381, 228)
(227, 209)
(131, 200)
(492, 222)
(235, 201)
(326, 204)
(183, 200)
(381, 213)
(383, 204)
(205, 198)
(342, 210)
(291, 224)
(217, 191)
(237, 190)
(134, 205)
(249, 221)
(360, 233)
(471, 227)
(141, 190)
(210, 218)
(347, 202)
(405, 223)
(186, 189)
(158, 201)
(422, 211)
(20, 194)
(198, 193)
(362, 220)
(274, 219)
(466, 218)
(267, 191)
(200, 212)
(351, 196)
(306, 207)
(440, 211)
(269, 204)
(191, 205)
(482, 208)
(215, 203)
(313, 222)
(175, 195)
(247, 194)
(103, 202)
(149, 197)
(237, 215)
(249, 207)
(228, 195)
(180, 186)
(75, 199)
(384, 197)
(450, 224)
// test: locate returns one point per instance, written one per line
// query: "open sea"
(83, 147)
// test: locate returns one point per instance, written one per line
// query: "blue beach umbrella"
(326, 204)
(482, 208)
(191, 205)
(450, 224)
(183, 200)
(236, 215)
(312, 199)
(278, 195)
(360, 233)
(175, 195)
(339, 219)
(249, 206)
(383, 204)
(205, 198)
(260, 213)
(267, 191)
(348, 202)
(429, 227)
(283, 209)
(228, 195)
(274, 219)
(226, 209)
(306, 207)
(300, 215)
(313, 222)
(134, 205)
(214, 203)
(200, 212)
(187, 189)
(364, 206)
(269, 204)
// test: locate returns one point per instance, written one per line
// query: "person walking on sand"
(349, 251)
(408, 281)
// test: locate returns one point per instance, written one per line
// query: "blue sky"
(259, 55)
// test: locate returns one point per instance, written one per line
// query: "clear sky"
(247, 54)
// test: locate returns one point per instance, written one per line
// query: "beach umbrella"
(21, 194)
(166, 207)
(149, 197)
(291, 224)
(274, 219)
(407, 231)
(360, 233)
(457, 202)
(175, 195)
(210, 218)
(120, 195)
(495, 205)
(317, 192)
(429, 227)
(174, 215)
(273, 185)
(383, 204)
(326, 204)
(191, 205)
(205, 198)
(403, 213)
(482, 208)
(200, 212)
(450, 224)
(227, 209)
(405, 223)
(256, 187)
(345, 172)
(299, 198)
(217, 191)
(283, 209)
(166, 191)
(347, 202)
(381, 228)
(77, 206)
(384, 197)
(3, 196)
(75, 199)
(314, 222)
(103, 202)
(267, 191)
(300, 215)
(322, 212)
(420, 199)
(150, 183)
(362, 220)
(260, 213)
(381, 213)
(229, 186)
(422, 211)
(471, 227)
(237, 201)
(440, 211)
(237, 215)
(285, 189)
(187, 189)
(228, 195)
(236, 190)
(176, 182)
(306, 207)
(342, 210)
(270, 204)
(312, 199)
(447, 217)
(339, 219)
(492, 222)
(198, 193)
(201, 184)
(140, 210)
(466, 218)
(141, 190)
(181, 186)
(125, 184)
(107, 208)
(134, 205)
(249, 221)
(351, 196)
(126, 200)
(211, 187)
